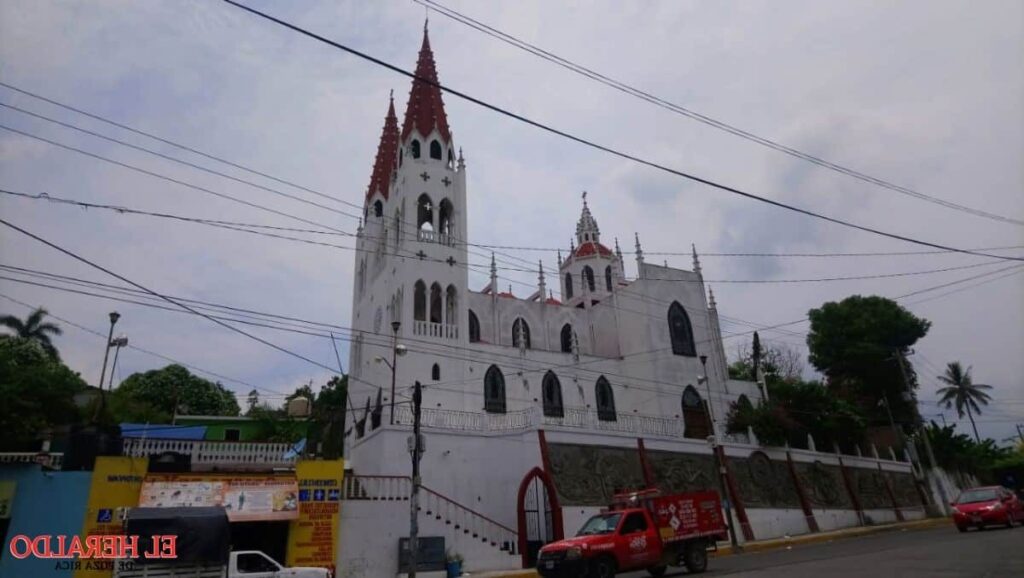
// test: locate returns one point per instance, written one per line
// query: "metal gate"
(539, 527)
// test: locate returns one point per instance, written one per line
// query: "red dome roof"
(587, 249)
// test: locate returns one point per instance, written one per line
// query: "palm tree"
(34, 329)
(963, 393)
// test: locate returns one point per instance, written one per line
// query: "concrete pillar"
(805, 504)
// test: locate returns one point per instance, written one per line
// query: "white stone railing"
(210, 453)
(50, 460)
(449, 238)
(431, 329)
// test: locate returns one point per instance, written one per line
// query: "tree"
(962, 393)
(958, 452)
(252, 402)
(779, 362)
(857, 344)
(152, 394)
(34, 329)
(755, 356)
(36, 393)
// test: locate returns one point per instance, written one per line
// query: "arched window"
(435, 372)
(435, 303)
(474, 327)
(743, 403)
(605, 400)
(695, 415)
(435, 150)
(378, 209)
(494, 390)
(451, 159)
(419, 301)
(588, 275)
(552, 393)
(568, 286)
(444, 217)
(451, 306)
(567, 338)
(424, 213)
(680, 331)
(608, 278)
(520, 331)
(415, 149)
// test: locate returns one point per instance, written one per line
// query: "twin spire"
(424, 113)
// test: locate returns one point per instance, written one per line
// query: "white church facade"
(536, 408)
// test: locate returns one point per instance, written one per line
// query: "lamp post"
(114, 316)
(117, 344)
(716, 449)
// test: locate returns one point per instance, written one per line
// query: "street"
(933, 552)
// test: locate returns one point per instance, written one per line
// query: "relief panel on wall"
(823, 485)
(675, 473)
(763, 482)
(590, 475)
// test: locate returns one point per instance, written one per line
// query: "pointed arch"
(435, 150)
(551, 390)
(608, 278)
(566, 338)
(743, 403)
(451, 305)
(415, 147)
(445, 213)
(605, 400)
(568, 286)
(451, 159)
(680, 331)
(553, 505)
(474, 327)
(424, 212)
(419, 301)
(695, 415)
(378, 208)
(520, 326)
(494, 390)
(435, 372)
(588, 276)
(435, 303)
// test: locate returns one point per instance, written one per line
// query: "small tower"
(591, 269)
(639, 257)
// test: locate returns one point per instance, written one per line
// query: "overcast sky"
(925, 94)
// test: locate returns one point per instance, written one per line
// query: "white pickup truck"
(241, 564)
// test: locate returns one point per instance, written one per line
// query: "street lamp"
(114, 316)
(117, 344)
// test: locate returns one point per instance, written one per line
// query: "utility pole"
(114, 316)
(924, 436)
(394, 365)
(414, 499)
(718, 451)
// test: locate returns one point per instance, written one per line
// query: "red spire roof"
(590, 248)
(425, 110)
(387, 153)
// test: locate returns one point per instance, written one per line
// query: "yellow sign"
(313, 538)
(116, 482)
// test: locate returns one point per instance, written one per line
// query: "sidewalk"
(777, 543)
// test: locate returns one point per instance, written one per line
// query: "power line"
(609, 150)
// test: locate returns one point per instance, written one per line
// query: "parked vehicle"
(241, 564)
(643, 530)
(987, 506)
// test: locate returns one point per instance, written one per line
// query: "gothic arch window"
(415, 146)
(605, 400)
(474, 327)
(695, 415)
(588, 275)
(444, 217)
(435, 303)
(608, 278)
(568, 286)
(521, 330)
(552, 393)
(378, 209)
(419, 301)
(424, 213)
(435, 372)
(451, 305)
(451, 159)
(743, 403)
(566, 338)
(494, 390)
(680, 331)
(435, 150)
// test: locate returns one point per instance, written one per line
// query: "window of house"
(378, 209)
(474, 327)
(680, 331)
(696, 424)
(444, 217)
(419, 301)
(588, 275)
(415, 149)
(435, 372)
(435, 303)
(552, 393)
(494, 390)
(232, 435)
(605, 400)
(566, 338)
(435, 150)
(520, 333)
(568, 286)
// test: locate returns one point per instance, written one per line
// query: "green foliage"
(958, 452)
(33, 329)
(150, 396)
(274, 425)
(36, 392)
(796, 409)
(854, 343)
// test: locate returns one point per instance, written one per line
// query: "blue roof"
(163, 431)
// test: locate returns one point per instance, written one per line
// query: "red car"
(987, 506)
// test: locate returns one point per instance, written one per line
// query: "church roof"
(387, 153)
(425, 110)
(507, 295)
(590, 248)
(552, 301)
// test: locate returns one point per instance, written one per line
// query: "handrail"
(468, 509)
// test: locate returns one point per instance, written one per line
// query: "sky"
(924, 94)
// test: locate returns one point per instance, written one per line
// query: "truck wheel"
(602, 568)
(657, 571)
(695, 556)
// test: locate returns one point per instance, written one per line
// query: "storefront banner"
(246, 499)
(313, 538)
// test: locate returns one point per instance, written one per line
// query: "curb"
(779, 543)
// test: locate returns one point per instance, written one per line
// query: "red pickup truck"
(642, 530)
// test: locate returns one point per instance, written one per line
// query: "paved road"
(940, 552)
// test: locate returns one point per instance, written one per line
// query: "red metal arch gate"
(539, 515)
